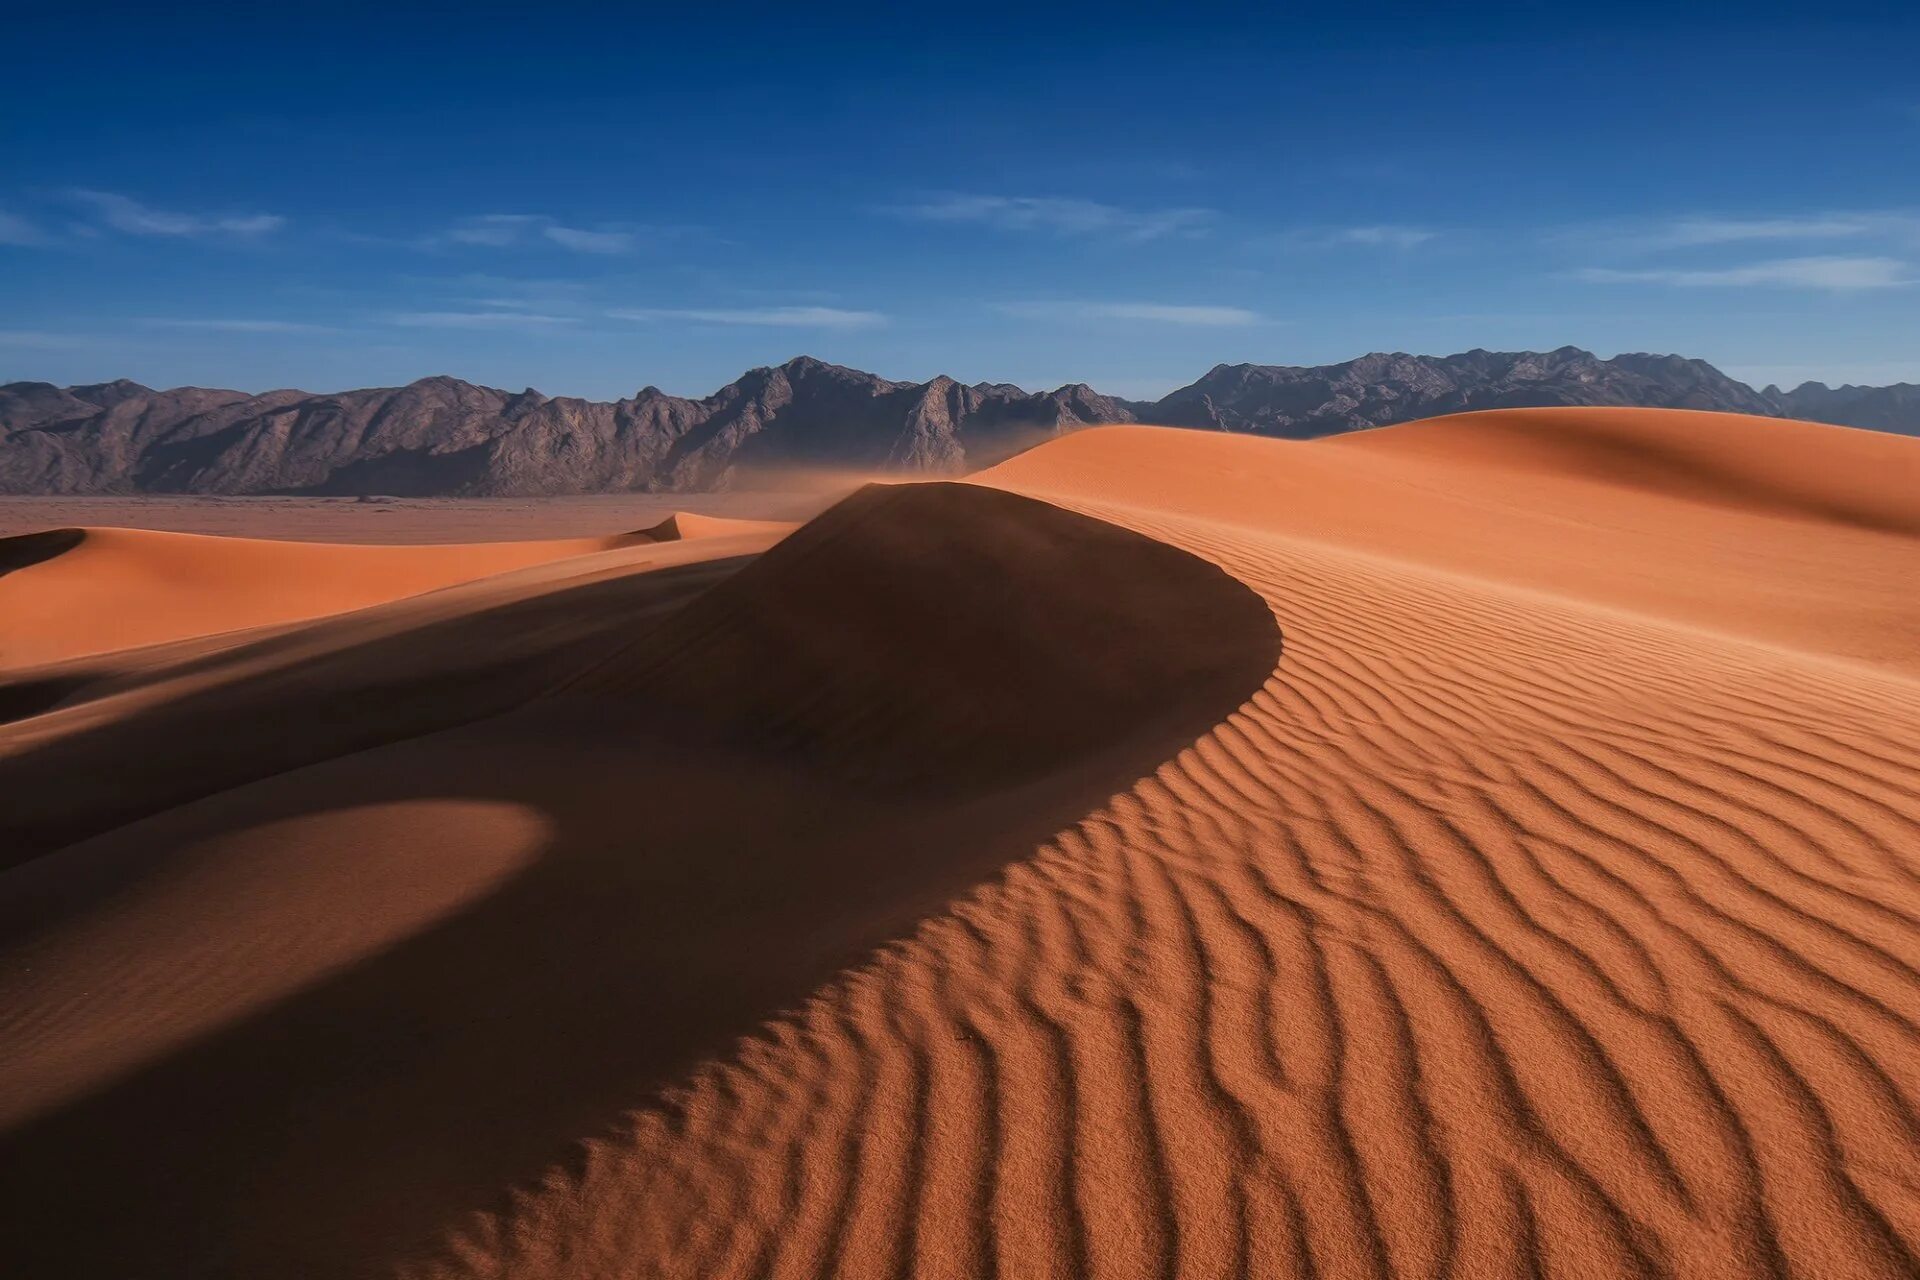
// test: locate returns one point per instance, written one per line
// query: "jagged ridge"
(444, 436)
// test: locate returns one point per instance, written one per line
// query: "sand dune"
(682, 525)
(1484, 847)
(71, 592)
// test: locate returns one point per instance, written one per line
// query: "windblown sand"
(1483, 847)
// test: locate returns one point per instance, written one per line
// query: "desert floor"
(1483, 847)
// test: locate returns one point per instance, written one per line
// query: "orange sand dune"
(93, 752)
(71, 592)
(690, 524)
(1810, 543)
(1484, 847)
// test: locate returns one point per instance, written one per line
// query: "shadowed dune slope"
(536, 852)
(1065, 634)
(106, 589)
(1552, 910)
(252, 705)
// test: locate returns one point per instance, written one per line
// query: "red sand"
(1489, 846)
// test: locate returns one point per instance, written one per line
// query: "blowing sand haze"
(1488, 846)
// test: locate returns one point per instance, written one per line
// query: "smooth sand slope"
(71, 592)
(1484, 847)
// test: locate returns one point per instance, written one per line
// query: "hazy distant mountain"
(444, 436)
(1895, 408)
(1378, 389)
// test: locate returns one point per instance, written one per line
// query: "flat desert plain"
(1488, 846)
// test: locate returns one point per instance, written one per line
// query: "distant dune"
(81, 591)
(1488, 846)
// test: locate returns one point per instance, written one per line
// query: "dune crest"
(939, 614)
(1827, 474)
(1455, 494)
(682, 525)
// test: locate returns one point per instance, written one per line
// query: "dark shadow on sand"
(741, 809)
(26, 549)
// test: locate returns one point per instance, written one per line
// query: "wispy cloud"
(506, 293)
(583, 241)
(1838, 274)
(234, 326)
(1389, 236)
(1701, 231)
(1689, 232)
(478, 320)
(509, 230)
(125, 214)
(772, 317)
(493, 230)
(42, 340)
(1063, 217)
(1145, 312)
(16, 230)
(1382, 236)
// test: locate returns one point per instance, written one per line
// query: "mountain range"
(443, 436)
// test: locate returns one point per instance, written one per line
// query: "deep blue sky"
(588, 199)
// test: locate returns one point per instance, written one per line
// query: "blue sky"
(590, 199)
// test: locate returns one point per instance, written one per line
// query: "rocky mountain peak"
(442, 435)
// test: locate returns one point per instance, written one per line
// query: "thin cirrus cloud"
(491, 230)
(1143, 312)
(582, 241)
(215, 325)
(42, 340)
(1691, 232)
(477, 320)
(1703, 231)
(16, 230)
(510, 230)
(766, 317)
(1383, 236)
(1060, 217)
(1838, 274)
(131, 217)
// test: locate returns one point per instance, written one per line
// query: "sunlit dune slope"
(71, 592)
(1799, 470)
(1789, 533)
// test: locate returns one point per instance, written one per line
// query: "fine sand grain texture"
(1483, 847)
